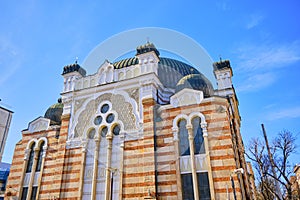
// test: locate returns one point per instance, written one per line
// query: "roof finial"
(220, 58)
(76, 60)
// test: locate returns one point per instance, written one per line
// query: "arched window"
(198, 136)
(191, 170)
(107, 128)
(30, 158)
(31, 174)
(184, 147)
(40, 157)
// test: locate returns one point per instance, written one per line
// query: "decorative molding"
(200, 163)
(148, 89)
(74, 143)
(36, 178)
(39, 124)
(26, 179)
(186, 97)
(125, 108)
(67, 101)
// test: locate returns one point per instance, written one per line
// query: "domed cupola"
(75, 67)
(196, 82)
(148, 47)
(54, 113)
(172, 73)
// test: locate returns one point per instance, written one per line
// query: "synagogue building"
(144, 127)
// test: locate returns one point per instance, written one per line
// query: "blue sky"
(260, 38)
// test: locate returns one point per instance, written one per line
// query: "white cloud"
(265, 57)
(257, 63)
(256, 82)
(284, 113)
(255, 20)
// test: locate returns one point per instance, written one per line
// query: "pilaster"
(41, 172)
(177, 156)
(210, 177)
(193, 164)
(83, 159)
(108, 168)
(95, 167)
(149, 147)
(36, 153)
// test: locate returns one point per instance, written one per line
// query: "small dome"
(170, 71)
(146, 48)
(54, 113)
(75, 67)
(196, 82)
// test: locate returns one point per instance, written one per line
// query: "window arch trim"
(189, 119)
(37, 143)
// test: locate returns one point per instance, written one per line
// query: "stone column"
(177, 157)
(41, 172)
(36, 154)
(207, 156)
(25, 163)
(122, 138)
(95, 167)
(83, 158)
(193, 165)
(108, 168)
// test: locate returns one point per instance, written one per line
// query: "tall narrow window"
(187, 187)
(30, 159)
(34, 192)
(203, 185)
(198, 136)
(24, 193)
(40, 157)
(183, 138)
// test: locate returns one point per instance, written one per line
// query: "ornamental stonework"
(119, 104)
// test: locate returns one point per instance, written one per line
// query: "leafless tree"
(283, 146)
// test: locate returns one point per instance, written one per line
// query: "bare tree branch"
(283, 146)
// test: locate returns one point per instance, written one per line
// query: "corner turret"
(71, 73)
(148, 57)
(223, 74)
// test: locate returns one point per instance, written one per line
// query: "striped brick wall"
(165, 152)
(149, 163)
(220, 147)
(16, 170)
(60, 176)
(139, 160)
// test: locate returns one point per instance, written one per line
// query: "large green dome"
(54, 113)
(196, 82)
(172, 73)
(175, 74)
